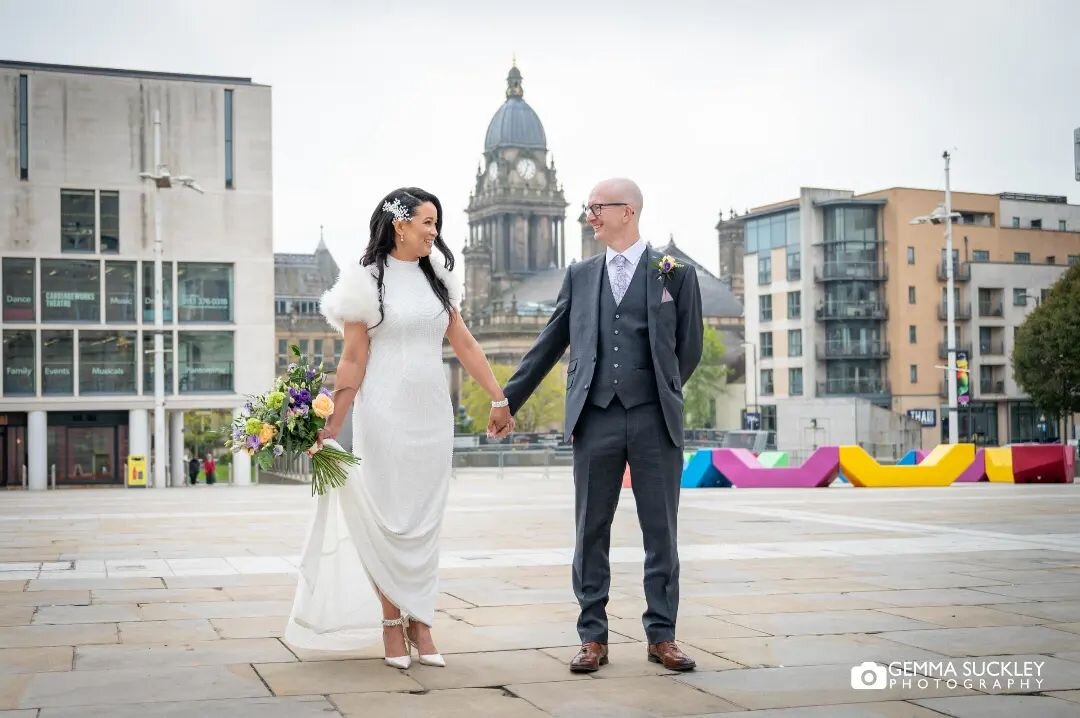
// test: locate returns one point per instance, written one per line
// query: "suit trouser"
(605, 440)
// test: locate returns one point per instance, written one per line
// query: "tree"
(707, 381)
(1046, 353)
(544, 410)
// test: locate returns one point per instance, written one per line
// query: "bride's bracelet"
(500, 404)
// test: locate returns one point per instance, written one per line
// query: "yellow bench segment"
(940, 468)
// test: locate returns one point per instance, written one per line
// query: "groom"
(635, 333)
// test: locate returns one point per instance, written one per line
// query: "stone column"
(241, 462)
(138, 437)
(177, 465)
(37, 451)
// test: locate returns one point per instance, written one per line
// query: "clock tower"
(516, 210)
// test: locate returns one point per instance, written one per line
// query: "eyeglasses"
(596, 209)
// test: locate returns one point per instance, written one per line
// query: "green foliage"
(706, 383)
(1046, 353)
(544, 409)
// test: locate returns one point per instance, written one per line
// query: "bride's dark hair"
(382, 241)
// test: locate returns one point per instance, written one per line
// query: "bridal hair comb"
(396, 208)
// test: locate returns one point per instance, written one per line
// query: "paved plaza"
(154, 603)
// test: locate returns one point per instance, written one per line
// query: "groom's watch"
(500, 404)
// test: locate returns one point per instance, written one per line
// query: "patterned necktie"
(621, 279)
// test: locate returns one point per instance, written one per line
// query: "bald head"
(620, 189)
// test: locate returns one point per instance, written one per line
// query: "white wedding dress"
(382, 528)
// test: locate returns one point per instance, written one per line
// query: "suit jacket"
(675, 337)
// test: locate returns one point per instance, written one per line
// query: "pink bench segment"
(742, 469)
(977, 470)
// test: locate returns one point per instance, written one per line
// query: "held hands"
(500, 422)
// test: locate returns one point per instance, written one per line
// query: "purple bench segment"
(977, 470)
(742, 469)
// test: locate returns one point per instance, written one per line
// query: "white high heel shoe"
(426, 659)
(405, 661)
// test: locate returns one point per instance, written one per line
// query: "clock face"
(493, 171)
(526, 168)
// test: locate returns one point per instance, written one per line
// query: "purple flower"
(252, 441)
(247, 406)
(278, 449)
(305, 396)
(326, 392)
(311, 374)
(666, 266)
(299, 410)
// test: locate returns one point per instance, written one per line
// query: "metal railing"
(847, 387)
(943, 349)
(839, 271)
(994, 387)
(961, 272)
(995, 347)
(991, 309)
(962, 309)
(849, 350)
(852, 310)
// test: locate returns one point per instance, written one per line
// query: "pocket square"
(666, 296)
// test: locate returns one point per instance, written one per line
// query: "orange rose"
(323, 406)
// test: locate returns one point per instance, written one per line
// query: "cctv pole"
(950, 308)
(159, 323)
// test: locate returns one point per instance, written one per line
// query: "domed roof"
(515, 124)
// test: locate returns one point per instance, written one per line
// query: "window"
(166, 292)
(120, 291)
(57, 363)
(1036, 224)
(1016, 221)
(911, 295)
(303, 344)
(106, 362)
(913, 372)
(766, 382)
(168, 360)
(1074, 259)
(228, 139)
(1063, 225)
(206, 362)
(912, 334)
(109, 206)
(282, 353)
(338, 346)
(765, 308)
(70, 290)
(77, 220)
(911, 255)
(1019, 296)
(1044, 294)
(18, 290)
(205, 292)
(766, 345)
(24, 127)
(794, 266)
(795, 382)
(1051, 259)
(980, 255)
(1022, 257)
(764, 269)
(316, 352)
(794, 305)
(19, 363)
(794, 342)
(768, 418)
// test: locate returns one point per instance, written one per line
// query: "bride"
(373, 544)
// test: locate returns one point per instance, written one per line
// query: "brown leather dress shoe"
(672, 658)
(589, 659)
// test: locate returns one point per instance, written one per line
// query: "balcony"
(961, 272)
(849, 387)
(963, 311)
(943, 349)
(992, 388)
(992, 347)
(833, 311)
(847, 271)
(991, 308)
(853, 350)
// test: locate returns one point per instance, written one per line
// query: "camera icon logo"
(868, 676)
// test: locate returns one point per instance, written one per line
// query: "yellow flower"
(323, 406)
(249, 451)
(266, 433)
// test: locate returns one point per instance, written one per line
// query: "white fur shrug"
(355, 295)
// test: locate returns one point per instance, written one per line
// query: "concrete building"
(844, 297)
(76, 248)
(299, 283)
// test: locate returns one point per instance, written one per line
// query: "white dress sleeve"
(353, 298)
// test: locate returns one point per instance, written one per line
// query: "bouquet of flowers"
(288, 419)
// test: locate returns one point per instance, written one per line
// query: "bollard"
(52, 476)
(23, 472)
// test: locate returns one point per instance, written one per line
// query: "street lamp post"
(754, 375)
(946, 215)
(162, 179)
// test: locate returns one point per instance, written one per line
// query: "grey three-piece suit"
(628, 363)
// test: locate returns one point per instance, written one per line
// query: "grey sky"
(708, 105)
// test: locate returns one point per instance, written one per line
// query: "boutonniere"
(666, 266)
